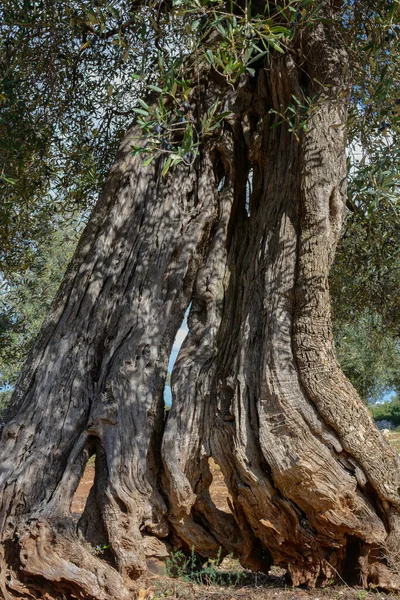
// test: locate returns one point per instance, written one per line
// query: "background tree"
(27, 296)
(66, 97)
(369, 357)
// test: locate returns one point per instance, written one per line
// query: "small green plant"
(189, 568)
(176, 564)
(100, 549)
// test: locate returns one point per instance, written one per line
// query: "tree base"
(48, 559)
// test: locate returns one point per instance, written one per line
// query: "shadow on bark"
(314, 487)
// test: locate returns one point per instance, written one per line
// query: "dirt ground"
(177, 590)
(79, 500)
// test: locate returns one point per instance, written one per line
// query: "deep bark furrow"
(186, 444)
(110, 396)
(334, 397)
(297, 483)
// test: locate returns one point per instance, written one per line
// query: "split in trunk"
(314, 486)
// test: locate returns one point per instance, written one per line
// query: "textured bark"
(95, 385)
(315, 486)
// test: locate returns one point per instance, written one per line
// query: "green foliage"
(231, 41)
(190, 569)
(365, 281)
(5, 397)
(389, 411)
(367, 270)
(171, 129)
(168, 125)
(369, 358)
(367, 266)
(234, 40)
(365, 278)
(25, 298)
(243, 35)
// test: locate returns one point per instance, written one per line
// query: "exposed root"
(392, 556)
(387, 575)
(52, 553)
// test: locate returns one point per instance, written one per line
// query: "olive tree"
(227, 195)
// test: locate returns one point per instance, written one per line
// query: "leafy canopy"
(75, 74)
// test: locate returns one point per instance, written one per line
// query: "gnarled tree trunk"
(95, 385)
(314, 486)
